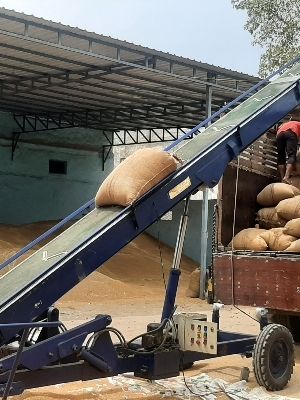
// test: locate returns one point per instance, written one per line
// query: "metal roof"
(86, 79)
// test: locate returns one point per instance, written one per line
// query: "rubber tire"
(268, 337)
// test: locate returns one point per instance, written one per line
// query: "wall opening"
(58, 167)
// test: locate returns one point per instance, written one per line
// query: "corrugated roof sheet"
(48, 67)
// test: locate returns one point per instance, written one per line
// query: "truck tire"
(273, 357)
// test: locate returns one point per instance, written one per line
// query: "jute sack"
(277, 240)
(137, 174)
(289, 208)
(268, 218)
(295, 181)
(249, 239)
(292, 227)
(294, 247)
(272, 194)
(193, 289)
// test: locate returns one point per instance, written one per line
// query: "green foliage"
(274, 25)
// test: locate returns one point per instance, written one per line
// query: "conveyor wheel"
(273, 357)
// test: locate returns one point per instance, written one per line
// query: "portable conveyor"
(30, 289)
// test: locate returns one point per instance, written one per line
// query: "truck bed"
(267, 279)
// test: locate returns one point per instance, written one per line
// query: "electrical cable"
(96, 335)
(229, 394)
(125, 345)
(150, 351)
(161, 326)
(244, 312)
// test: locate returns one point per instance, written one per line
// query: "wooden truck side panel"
(259, 280)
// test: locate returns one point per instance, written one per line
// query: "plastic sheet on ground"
(202, 386)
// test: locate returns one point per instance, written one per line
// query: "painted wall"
(28, 192)
(167, 229)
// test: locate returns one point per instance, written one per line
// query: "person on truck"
(287, 137)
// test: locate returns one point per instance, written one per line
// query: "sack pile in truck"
(278, 221)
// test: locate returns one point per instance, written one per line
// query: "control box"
(195, 333)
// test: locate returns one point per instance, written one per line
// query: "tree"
(274, 25)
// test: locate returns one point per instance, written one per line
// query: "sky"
(210, 31)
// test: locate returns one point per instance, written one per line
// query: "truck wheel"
(273, 357)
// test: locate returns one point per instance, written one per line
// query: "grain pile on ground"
(193, 289)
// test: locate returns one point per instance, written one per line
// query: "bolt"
(75, 347)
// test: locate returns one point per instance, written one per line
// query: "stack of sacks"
(281, 204)
(272, 195)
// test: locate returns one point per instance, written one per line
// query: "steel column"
(204, 222)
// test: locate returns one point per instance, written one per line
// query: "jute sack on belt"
(135, 176)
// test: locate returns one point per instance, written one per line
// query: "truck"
(268, 279)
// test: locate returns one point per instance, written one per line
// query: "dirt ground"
(130, 288)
